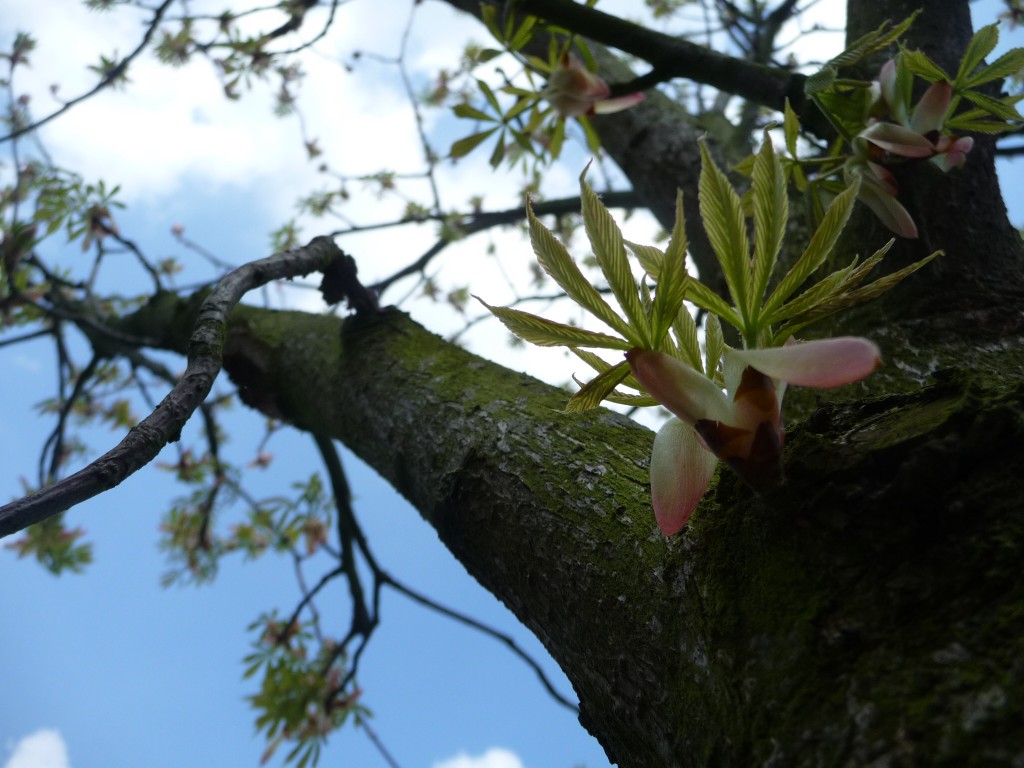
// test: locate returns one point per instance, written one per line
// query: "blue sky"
(108, 668)
(116, 670)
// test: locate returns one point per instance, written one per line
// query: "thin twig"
(490, 631)
(380, 747)
(107, 79)
(479, 222)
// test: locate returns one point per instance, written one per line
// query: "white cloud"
(495, 757)
(43, 749)
(169, 125)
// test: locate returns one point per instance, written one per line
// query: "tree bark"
(868, 611)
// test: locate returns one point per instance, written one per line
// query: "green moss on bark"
(872, 609)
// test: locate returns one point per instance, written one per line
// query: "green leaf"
(745, 166)
(820, 81)
(859, 273)
(523, 140)
(852, 298)
(557, 139)
(967, 122)
(489, 16)
(556, 261)
(818, 249)
(593, 140)
(714, 343)
(771, 211)
(981, 45)
(513, 90)
(465, 110)
(489, 95)
(997, 107)
(882, 37)
(846, 108)
(1010, 63)
(650, 257)
(524, 34)
(645, 301)
(921, 65)
(817, 293)
(597, 389)
(548, 333)
(524, 103)
(499, 151)
(599, 364)
(791, 127)
(538, 63)
(672, 283)
(722, 214)
(487, 54)
(633, 401)
(463, 147)
(841, 281)
(686, 333)
(606, 240)
(707, 299)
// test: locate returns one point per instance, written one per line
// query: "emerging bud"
(573, 90)
(742, 427)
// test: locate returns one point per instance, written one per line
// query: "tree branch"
(669, 56)
(164, 424)
(479, 222)
(107, 79)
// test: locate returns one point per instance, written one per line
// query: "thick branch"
(669, 56)
(790, 628)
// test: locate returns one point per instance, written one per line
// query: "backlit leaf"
(471, 112)
(463, 147)
(818, 249)
(633, 401)
(707, 299)
(686, 333)
(673, 278)
(791, 127)
(548, 333)
(981, 45)
(771, 211)
(597, 389)
(556, 261)
(650, 258)
(722, 214)
(1010, 63)
(606, 240)
(714, 343)
(919, 64)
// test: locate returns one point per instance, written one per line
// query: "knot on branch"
(341, 281)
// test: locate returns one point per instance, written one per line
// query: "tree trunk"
(868, 612)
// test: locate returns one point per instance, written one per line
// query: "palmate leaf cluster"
(301, 699)
(522, 124)
(854, 106)
(985, 114)
(56, 547)
(847, 103)
(764, 307)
